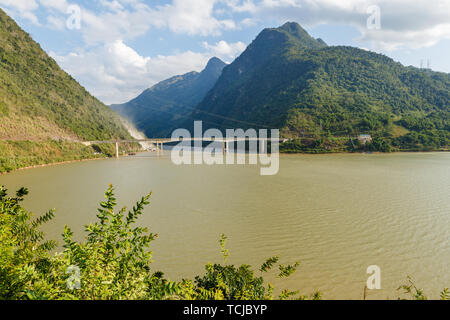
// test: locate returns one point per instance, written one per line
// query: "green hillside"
(160, 109)
(321, 96)
(41, 103)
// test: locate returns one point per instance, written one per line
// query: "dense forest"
(324, 96)
(321, 97)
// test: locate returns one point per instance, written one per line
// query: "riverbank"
(362, 152)
(336, 214)
(21, 155)
(15, 155)
(27, 154)
(52, 164)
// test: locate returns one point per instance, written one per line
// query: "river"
(336, 214)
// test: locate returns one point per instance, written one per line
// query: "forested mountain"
(160, 109)
(288, 80)
(44, 106)
(39, 100)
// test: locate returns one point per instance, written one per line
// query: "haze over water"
(336, 214)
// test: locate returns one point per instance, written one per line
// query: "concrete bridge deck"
(159, 142)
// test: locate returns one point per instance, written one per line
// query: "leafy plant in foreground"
(114, 262)
(411, 290)
(25, 260)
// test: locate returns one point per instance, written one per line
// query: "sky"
(118, 48)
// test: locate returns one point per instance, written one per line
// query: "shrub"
(113, 262)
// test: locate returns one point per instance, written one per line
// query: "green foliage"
(225, 252)
(25, 260)
(115, 259)
(286, 80)
(287, 271)
(43, 110)
(161, 109)
(411, 291)
(113, 262)
(4, 110)
(20, 154)
(268, 265)
(240, 283)
(379, 144)
(33, 86)
(445, 294)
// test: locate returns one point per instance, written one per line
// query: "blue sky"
(117, 48)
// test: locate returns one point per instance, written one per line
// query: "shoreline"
(52, 164)
(281, 153)
(63, 162)
(366, 153)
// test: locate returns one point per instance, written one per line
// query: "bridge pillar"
(117, 150)
(262, 146)
(225, 147)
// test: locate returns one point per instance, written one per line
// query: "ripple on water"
(337, 214)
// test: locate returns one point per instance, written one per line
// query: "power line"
(177, 114)
(235, 120)
(211, 114)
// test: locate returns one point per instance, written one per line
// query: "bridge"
(159, 142)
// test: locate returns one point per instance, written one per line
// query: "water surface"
(336, 214)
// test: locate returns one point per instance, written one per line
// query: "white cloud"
(60, 5)
(128, 19)
(22, 8)
(126, 56)
(113, 71)
(191, 17)
(224, 50)
(116, 73)
(112, 5)
(404, 23)
(54, 22)
(249, 22)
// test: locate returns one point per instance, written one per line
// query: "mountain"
(39, 100)
(250, 68)
(158, 110)
(321, 95)
(43, 105)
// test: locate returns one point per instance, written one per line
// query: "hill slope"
(288, 80)
(160, 109)
(38, 100)
(43, 110)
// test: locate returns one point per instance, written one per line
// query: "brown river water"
(335, 214)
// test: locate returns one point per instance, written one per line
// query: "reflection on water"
(336, 214)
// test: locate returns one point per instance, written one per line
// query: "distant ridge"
(323, 97)
(160, 109)
(289, 80)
